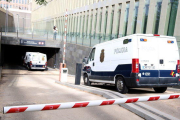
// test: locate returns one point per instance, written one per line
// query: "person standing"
(55, 30)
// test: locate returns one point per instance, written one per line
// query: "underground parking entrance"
(12, 55)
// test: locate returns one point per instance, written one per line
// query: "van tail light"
(156, 35)
(30, 63)
(178, 66)
(46, 64)
(135, 65)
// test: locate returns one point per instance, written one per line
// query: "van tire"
(86, 80)
(28, 66)
(160, 89)
(121, 85)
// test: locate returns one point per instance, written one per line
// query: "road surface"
(23, 87)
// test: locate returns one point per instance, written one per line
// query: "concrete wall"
(3, 18)
(22, 19)
(74, 54)
(0, 59)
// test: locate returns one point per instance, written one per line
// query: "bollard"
(62, 65)
(78, 73)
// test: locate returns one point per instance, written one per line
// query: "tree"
(41, 2)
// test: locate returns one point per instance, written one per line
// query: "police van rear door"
(148, 58)
(158, 57)
(168, 57)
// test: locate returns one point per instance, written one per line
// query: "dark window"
(91, 57)
(158, 13)
(172, 18)
(146, 16)
(126, 41)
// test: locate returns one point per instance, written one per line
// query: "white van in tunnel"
(35, 60)
(139, 60)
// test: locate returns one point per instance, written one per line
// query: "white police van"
(35, 60)
(138, 60)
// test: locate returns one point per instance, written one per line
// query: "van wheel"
(160, 89)
(28, 66)
(86, 80)
(121, 86)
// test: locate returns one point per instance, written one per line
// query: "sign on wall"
(32, 42)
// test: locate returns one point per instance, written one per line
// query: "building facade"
(21, 12)
(16, 4)
(94, 21)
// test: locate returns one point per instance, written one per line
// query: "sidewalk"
(71, 79)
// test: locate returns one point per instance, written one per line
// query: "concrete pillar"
(164, 18)
(139, 27)
(151, 17)
(131, 18)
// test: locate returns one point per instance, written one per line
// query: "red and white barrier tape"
(55, 106)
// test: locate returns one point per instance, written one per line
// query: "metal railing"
(84, 39)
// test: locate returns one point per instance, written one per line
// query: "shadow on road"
(131, 90)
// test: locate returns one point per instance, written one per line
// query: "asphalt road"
(171, 107)
(23, 87)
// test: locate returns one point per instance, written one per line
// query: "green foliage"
(41, 2)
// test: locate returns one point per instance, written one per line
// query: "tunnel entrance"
(12, 54)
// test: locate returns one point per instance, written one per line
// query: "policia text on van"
(139, 60)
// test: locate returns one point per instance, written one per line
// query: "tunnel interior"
(12, 55)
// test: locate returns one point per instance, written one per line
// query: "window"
(157, 18)
(100, 22)
(126, 18)
(135, 16)
(118, 19)
(111, 23)
(146, 11)
(95, 23)
(91, 57)
(87, 21)
(90, 29)
(172, 19)
(105, 22)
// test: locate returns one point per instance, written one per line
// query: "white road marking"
(12, 82)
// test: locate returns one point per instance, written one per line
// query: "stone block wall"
(74, 54)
